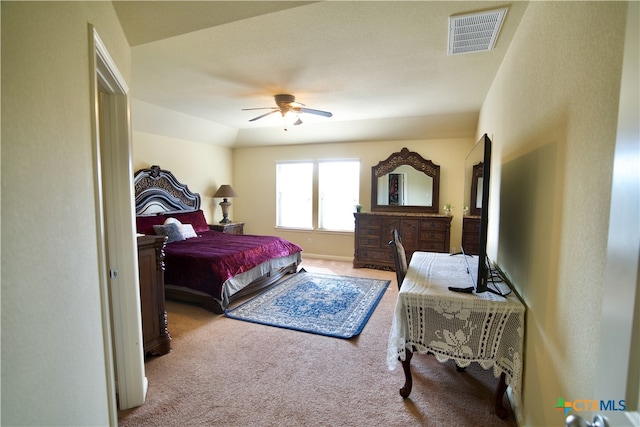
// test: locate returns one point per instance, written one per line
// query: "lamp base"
(224, 204)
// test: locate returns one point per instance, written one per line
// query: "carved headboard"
(158, 191)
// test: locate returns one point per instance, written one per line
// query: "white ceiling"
(381, 67)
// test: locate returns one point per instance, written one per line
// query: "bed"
(204, 266)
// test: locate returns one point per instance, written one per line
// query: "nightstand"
(155, 333)
(229, 227)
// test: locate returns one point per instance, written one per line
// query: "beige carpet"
(228, 372)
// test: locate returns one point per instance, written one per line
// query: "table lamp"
(225, 191)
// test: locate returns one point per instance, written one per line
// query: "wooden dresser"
(471, 234)
(155, 332)
(419, 232)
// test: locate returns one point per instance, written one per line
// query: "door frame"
(118, 269)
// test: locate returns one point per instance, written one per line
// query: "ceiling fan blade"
(263, 115)
(259, 108)
(317, 112)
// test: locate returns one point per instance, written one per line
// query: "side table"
(229, 227)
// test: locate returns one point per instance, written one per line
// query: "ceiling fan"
(287, 104)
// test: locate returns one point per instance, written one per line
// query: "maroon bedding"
(205, 262)
(144, 224)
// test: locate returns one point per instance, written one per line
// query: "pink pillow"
(195, 218)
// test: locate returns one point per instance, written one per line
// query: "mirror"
(475, 202)
(405, 182)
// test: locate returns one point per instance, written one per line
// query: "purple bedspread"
(204, 263)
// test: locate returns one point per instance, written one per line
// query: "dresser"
(471, 234)
(155, 332)
(419, 232)
(229, 227)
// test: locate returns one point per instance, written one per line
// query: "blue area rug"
(323, 304)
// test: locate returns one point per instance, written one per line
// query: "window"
(294, 190)
(338, 193)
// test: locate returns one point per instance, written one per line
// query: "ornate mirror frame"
(415, 160)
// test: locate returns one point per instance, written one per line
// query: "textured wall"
(53, 360)
(552, 112)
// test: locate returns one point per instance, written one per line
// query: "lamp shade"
(225, 191)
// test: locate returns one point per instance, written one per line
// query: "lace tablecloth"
(484, 328)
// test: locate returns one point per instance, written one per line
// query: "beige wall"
(203, 167)
(53, 357)
(254, 180)
(552, 113)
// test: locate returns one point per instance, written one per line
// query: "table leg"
(408, 381)
(501, 411)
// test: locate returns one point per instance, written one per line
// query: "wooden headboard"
(158, 191)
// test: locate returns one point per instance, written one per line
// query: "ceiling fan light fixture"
(283, 99)
(288, 107)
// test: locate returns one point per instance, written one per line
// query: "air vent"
(475, 32)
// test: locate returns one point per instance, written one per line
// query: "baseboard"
(327, 257)
(517, 413)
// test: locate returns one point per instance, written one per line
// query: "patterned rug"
(323, 304)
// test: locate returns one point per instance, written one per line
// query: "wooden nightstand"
(155, 333)
(229, 228)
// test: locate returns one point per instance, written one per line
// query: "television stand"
(425, 309)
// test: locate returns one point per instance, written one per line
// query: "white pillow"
(172, 221)
(186, 230)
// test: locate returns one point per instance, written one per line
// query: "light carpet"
(223, 372)
(323, 304)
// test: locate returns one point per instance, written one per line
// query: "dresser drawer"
(367, 231)
(371, 242)
(433, 224)
(369, 237)
(377, 255)
(365, 221)
(428, 236)
(471, 224)
(471, 238)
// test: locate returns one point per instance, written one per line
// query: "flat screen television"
(477, 168)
